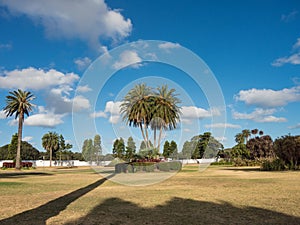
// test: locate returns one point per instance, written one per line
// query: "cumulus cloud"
(91, 21)
(269, 98)
(168, 45)
(82, 63)
(83, 89)
(27, 138)
(293, 59)
(259, 115)
(61, 103)
(2, 114)
(222, 125)
(111, 111)
(5, 46)
(126, 58)
(190, 113)
(43, 118)
(35, 79)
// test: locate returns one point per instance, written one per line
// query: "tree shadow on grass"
(41, 214)
(181, 211)
(23, 174)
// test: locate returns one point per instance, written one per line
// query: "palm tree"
(18, 103)
(240, 138)
(254, 131)
(136, 109)
(246, 133)
(50, 142)
(165, 113)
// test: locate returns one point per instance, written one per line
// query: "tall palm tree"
(240, 138)
(136, 109)
(18, 103)
(50, 142)
(166, 112)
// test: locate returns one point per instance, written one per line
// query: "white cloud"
(50, 120)
(82, 63)
(268, 97)
(83, 89)
(2, 114)
(293, 59)
(98, 114)
(43, 118)
(127, 58)
(60, 104)
(168, 45)
(289, 17)
(111, 111)
(297, 126)
(90, 21)
(35, 79)
(222, 125)
(190, 113)
(259, 115)
(27, 138)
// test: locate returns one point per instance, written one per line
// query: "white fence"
(46, 163)
(69, 163)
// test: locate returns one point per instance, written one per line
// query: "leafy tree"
(97, 145)
(260, 147)
(240, 151)
(18, 103)
(28, 151)
(240, 138)
(188, 149)
(173, 149)
(50, 142)
(166, 149)
(130, 149)
(119, 148)
(205, 146)
(287, 148)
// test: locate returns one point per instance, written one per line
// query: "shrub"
(273, 165)
(175, 165)
(164, 166)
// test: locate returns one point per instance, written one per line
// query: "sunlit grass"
(237, 191)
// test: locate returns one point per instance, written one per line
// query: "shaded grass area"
(219, 195)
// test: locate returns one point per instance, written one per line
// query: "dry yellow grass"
(218, 195)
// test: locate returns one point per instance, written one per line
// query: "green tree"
(50, 142)
(246, 133)
(18, 103)
(260, 147)
(166, 149)
(173, 149)
(130, 149)
(143, 108)
(188, 149)
(97, 147)
(287, 148)
(166, 112)
(136, 109)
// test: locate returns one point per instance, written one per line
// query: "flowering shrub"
(13, 164)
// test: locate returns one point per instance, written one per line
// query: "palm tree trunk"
(50, 157)
(143, 134)
(155, 137)
(147, 137)
(20, 129)
(159, 138)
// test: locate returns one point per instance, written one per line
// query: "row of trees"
(253, 147)
(92, 149)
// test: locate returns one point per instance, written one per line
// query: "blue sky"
(251, 47)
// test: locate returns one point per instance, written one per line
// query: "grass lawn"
(218, 195)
